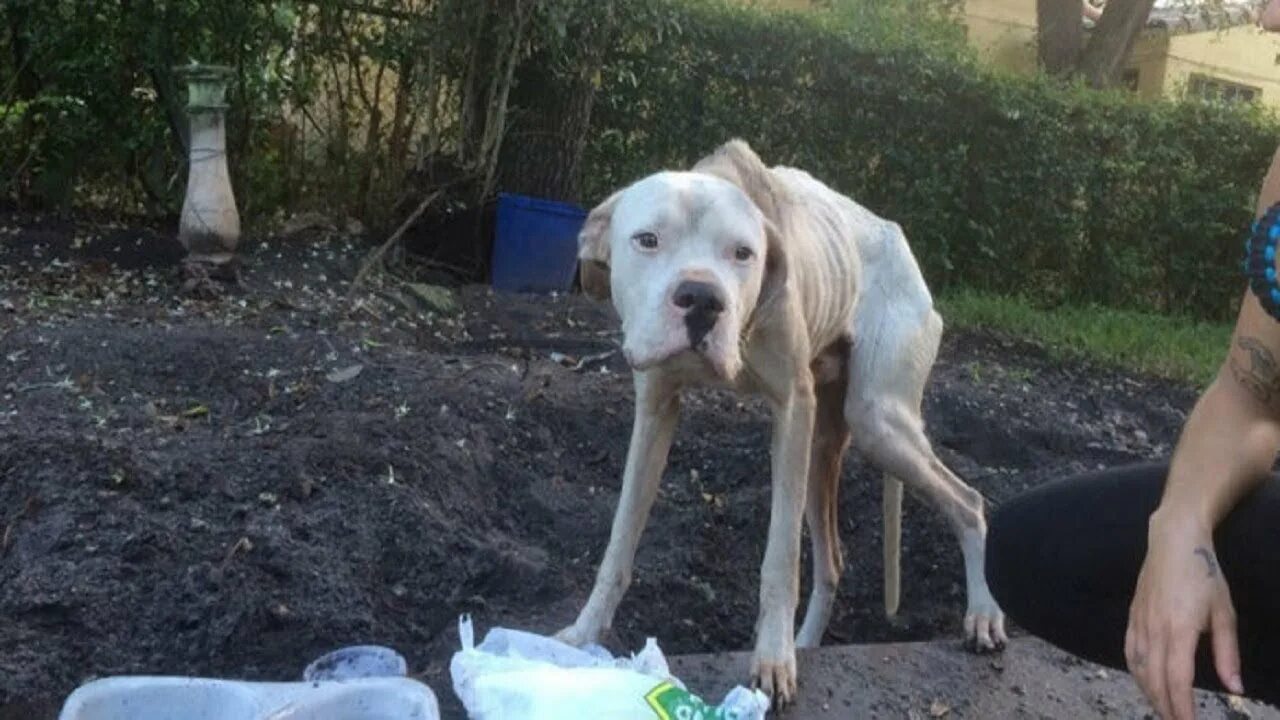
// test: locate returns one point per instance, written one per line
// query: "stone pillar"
(210, 225)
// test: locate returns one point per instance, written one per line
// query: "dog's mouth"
(647, 361)
(700, 358)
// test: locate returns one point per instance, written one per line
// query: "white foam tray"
(182, 698)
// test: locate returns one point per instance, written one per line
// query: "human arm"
(1226, 450)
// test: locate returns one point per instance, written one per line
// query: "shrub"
(1002, 185)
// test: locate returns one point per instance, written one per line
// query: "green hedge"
(96, 126)
(1002, 185)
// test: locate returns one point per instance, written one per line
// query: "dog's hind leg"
(830, 440)
(657, 410)
(883, 410)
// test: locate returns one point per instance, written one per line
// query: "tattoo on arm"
(1208, 560)
(1260, 375)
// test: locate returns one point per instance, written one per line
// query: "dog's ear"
(593, 249)
(774, 286)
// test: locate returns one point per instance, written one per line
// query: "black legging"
(1063, 561)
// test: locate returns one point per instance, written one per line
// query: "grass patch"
(1174, 348)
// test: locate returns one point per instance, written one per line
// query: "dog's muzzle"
(703, 306)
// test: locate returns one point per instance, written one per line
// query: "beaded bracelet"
(1260, 260)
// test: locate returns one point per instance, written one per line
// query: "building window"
(1130, 79)
(1215, 89)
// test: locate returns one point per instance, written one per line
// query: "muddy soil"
(233, 486)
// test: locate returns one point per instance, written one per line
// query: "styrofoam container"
(183, 698)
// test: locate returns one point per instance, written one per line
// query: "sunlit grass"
(1173, 348)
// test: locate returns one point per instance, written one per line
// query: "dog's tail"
(892, 544)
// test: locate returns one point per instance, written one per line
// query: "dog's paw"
(776, 679)
(774, 673)
(577, 636)
(984, 628)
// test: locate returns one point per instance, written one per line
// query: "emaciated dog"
(765, 280)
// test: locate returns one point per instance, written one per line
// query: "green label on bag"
(671, 703)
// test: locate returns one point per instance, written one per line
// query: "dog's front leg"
(773, 666)
(657, 409)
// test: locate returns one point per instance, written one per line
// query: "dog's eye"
(647, 241)
(743, 253)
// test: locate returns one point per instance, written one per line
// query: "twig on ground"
(430, 264)
(29, 509)
(63, 384)
(374, 259)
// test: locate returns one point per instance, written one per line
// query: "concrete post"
(210, 225)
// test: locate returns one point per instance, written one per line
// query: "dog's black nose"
(703, 306)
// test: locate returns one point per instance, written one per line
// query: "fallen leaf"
(197, 411)
(577, 364)
(345, 374)
(436, 298)
(244, 544)
(939, 709)
(588, 359)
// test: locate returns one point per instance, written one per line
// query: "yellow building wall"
(1003, 32)
(1244, 55)
(1150, 59)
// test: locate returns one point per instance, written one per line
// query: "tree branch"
(375, 258)
(1060, 36)
(1112, 40)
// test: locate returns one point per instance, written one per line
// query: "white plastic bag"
(515, 675)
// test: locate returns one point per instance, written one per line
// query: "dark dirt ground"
(196, 487)
(1030, 680)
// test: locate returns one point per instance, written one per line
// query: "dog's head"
(690, 260)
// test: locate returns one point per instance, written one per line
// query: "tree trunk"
(543, 152)
(26, 84)
(1112, 41)
(474, 100)
(1061, 35)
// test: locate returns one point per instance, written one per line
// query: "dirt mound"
(233, 487)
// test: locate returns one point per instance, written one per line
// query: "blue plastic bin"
(535, 244)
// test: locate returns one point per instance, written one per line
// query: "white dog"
(765, 280)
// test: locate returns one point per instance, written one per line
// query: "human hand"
(1180, 594)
